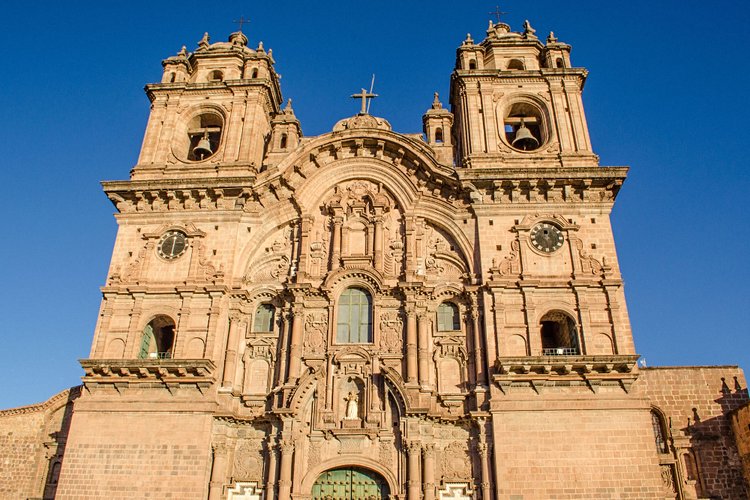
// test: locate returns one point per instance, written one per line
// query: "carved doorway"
(350, 483)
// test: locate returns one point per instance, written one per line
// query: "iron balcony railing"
(560, 351)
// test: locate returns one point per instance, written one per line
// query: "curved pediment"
(406, 165)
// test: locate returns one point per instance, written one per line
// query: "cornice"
(67, 395)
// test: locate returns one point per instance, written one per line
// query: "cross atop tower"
(241, 21)
(497, 13)
(364, 95)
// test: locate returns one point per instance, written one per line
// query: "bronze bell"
(203, 149)
(525, 139)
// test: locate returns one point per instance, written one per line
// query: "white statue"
(352, 407)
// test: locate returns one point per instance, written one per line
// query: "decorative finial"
(527, 29)
(203, 44)
(260, 47)
(183, 51)
(551, 38)
(469, 40)
(436, 104)
(288, 108)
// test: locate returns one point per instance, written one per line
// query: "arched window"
(559, 334)
(472, 64)
(254, 73)
(515, 64)
(439, 135)
(282, 143)
(158, 339)
(447, 317)
(354, 322)
(264, 317)
(660, 433)
(215, 76)
(172, 77)
(559, 62)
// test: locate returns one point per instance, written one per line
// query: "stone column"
(411, 346)
(336, 250)
(413, 486)
(423, 351)
(478, 351)
(295, 349)
(285, 474)
(218, 471)
(230, 358)
(428, 472)
(483, 451)
(271, 470)
(378, 243)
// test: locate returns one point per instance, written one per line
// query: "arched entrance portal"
(350, 483)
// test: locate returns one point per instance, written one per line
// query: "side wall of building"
(695, 404)
(32, 444)
(741, 429)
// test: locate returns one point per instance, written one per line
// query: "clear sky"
(667, 94)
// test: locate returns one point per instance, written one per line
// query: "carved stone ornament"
(510, 266)
(316, 328)
(589, 265)
(245, 491)
(456, 462)
(391, 331)
(248, 460)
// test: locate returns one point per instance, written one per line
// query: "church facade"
(372, 314)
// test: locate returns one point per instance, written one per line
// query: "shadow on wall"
(55, 446)
(712, 463)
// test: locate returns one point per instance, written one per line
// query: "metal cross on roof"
(497, 13)
(241, 21)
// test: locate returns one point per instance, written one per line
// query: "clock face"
(546, 238)
(172, 245)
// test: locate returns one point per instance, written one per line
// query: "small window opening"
(516, 64)
(255, 73)
(447, 317)
(282, 143)
(158, 339)
(559, 63)
(204, 132)
(659, 432)
(264, 318)
(172, 77)
(559, 335)
(215, 76)
(439, 135)
(472, 64)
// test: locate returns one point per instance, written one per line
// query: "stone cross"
(364, 95)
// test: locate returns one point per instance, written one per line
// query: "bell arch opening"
(349, 483)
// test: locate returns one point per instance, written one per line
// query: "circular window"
(172, 245)
(546, 237)
(523, 126)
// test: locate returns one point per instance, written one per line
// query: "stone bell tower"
(211, 114)
(518, 102)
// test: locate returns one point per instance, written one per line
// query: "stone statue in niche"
(352, 407)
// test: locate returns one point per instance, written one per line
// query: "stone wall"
(32, 443)
(695, 403)
(741, 427)
(134, 454)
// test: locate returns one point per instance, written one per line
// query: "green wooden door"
(350, 484)
(146, 341)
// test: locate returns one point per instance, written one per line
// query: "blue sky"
(666, 95)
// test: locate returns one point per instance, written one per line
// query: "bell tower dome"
(212, 112)
(517, 102)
